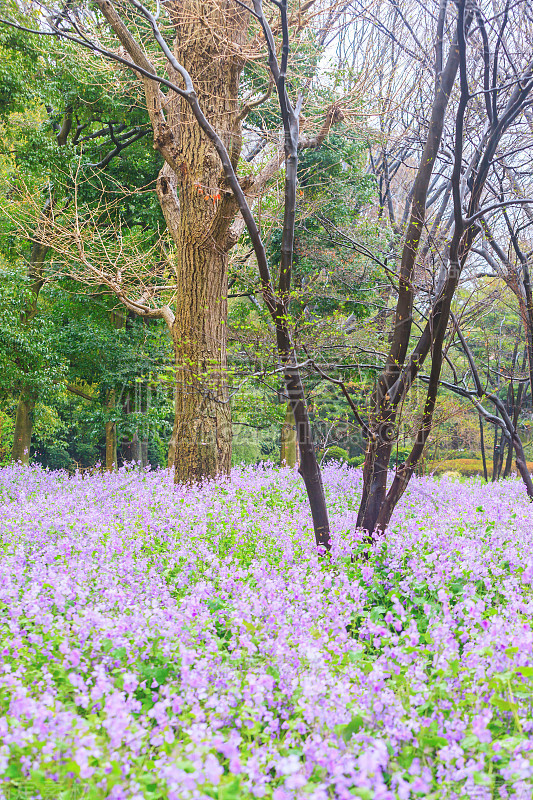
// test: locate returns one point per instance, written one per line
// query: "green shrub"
(335, 453)
(467, 467)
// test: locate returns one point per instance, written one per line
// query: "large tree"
(210, 43)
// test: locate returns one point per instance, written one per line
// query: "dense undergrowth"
(189, 643)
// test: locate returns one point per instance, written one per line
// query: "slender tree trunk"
(309, 466)
(496, 454)
(511, 403)
(375, 470)
(23, 430)
(131, 448)
(517, 407)
(111, 437)
(289, 445)
(521, 465)
(527, 309)
(24, 421)
(508, 461)
(501, 453)
(482, 445)
(110, 446)
(172, 447)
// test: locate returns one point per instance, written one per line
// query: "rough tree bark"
(110, 436)
(211, 38)
(23, 429)
(199, 211)
(289, 444)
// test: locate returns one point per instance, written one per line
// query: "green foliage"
(27, 357)
(19, 56)
(335, 453)
(7, 426)
(257, 418)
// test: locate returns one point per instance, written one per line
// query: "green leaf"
(457, 586)
(428, 738)
(352, 727)
(72, 766)
(503, 705)
(482, 779)
(230, 791)
(377, 612)
(13, 771)
(161, 674)
(527, 672)
(469, 741)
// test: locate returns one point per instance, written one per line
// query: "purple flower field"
(189, 643)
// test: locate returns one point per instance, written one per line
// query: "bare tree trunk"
(517, 407)
(24, 420)
(110, 436)
(495, 454)
(508, 461)
(521, 463)
(289, 444)
(136, 448)
(482, 445)
(110, 446)
(201, 438)
(171, 451)
(23, 430)
(309, 466)
(511, 406)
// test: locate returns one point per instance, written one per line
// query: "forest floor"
(161, 642)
